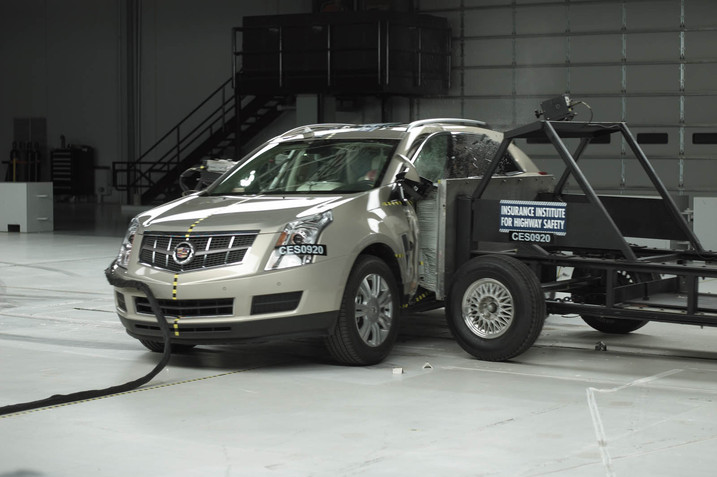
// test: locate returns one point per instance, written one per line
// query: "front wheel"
(368, 320)
(495, 307)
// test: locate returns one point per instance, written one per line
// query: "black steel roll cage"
(665, 283)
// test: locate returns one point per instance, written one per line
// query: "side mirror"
(410, 184)
(407, 171)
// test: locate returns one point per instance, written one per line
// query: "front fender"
(372, 219)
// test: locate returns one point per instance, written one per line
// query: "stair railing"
(168, 150)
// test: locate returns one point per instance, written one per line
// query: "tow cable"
(60, 399)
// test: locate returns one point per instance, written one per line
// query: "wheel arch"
(367, 324)
(385, 253)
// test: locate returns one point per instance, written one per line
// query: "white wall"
(649, 63)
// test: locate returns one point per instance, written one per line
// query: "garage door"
(652, 64)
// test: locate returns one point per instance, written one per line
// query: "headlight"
(298, 242)
(126, 247)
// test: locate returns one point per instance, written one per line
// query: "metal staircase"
(344, 53)
(208, 131)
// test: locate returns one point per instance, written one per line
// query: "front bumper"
(300, 301)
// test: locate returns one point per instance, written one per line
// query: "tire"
(612, 325)
(495, 308)
(158, 346)
(368, 319)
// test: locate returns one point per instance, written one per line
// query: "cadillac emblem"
(183, 253)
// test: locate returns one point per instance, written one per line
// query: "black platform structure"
(345, 55)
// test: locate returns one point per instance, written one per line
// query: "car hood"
(266, 213)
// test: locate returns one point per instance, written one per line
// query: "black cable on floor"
(59, 399)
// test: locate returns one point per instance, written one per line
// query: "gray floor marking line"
(597, 419)
(599, 432)
(515, 373)
(55, 290)
(40, 317)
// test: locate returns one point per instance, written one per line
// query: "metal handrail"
(183, 120)
(176, 141)
(186, 137)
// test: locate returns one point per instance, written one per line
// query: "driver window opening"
(460, 155)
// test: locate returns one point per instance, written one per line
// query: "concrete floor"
(646, 406)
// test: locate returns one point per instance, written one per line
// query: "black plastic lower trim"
(320, 324)
(275, 303)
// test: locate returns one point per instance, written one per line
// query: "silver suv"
(326, 230)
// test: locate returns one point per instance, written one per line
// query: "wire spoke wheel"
(495, 308)
(488, 308)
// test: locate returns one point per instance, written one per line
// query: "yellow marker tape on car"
(174, 286)
(174, 297)
(175, 282)
(421, 297)
(191, 227)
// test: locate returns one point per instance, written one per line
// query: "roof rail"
(463, 122)
(309, 128)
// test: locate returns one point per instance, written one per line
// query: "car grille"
(187, 308)
(215, 250)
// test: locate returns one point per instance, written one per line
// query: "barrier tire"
(613, 325)
(495, 307)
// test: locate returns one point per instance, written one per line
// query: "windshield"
(329, 165)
